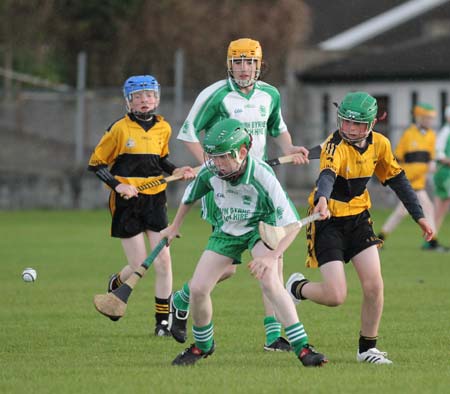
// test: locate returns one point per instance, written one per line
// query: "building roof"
(415, 50)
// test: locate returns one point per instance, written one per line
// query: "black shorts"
(342, 238)
(134, 216)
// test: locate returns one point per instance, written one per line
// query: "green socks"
(273, 329)
(181, 298)
(204, 337)
(297, 337)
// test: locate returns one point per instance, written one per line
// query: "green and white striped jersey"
(256, 195)
(259, 111)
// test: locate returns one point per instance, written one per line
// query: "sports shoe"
(435, 246)
(191, 355)
(310, 358)
(280, 345)
(162, 329)
(294, 279)
(373, 356)
(178, 323)
(112, 284)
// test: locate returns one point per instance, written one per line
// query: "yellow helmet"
(424, 109)
(244, 48)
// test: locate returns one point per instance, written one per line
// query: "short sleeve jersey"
(255, 196)
(414, 152)
(132, 153)
(353, 169)
(259, 111)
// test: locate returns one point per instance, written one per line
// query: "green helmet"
(357, 107)
(226, 136)
(225, 139)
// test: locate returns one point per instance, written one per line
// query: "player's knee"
(373, 289)
(336, 296)
(198, 291)
(163, 263)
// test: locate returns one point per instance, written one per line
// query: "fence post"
(178, 95)
(80, 109)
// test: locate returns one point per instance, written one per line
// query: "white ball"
(29, 275)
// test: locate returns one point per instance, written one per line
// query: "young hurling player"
(349, 158)
(442, 175)
(134, 150)
(415, 152)
(245, 191)
(257, 105)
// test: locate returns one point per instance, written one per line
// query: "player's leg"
(274, 290)
(441, 208)
(331, 291)
(367, 265)
(442, 196)
(428, 211)
(326, 243)
(163, 285)
(274, 341)
(393, 221)
(206, 275)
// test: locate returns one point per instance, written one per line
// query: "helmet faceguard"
(244, 50)
(140, 83)
(356, 116)
(222, 149)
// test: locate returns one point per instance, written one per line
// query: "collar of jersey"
(234, 87)
(245, 178)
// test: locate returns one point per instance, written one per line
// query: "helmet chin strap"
(145, 116)
(236, 174)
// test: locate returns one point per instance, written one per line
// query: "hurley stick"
(114, 304)
(157, 182)
(272, 235)
(314, 153)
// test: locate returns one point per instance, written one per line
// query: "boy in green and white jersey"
(246, 191)
(256, 105)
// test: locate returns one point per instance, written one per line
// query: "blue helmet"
(138, 83)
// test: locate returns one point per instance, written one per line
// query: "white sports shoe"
(373, 356)
(295, 277)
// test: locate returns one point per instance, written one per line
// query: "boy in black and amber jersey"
(133, 151)
(349, 158)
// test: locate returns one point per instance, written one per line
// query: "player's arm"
(402, 188)
(173, 230)
(406, 194)
(196, 150)
(99, 165)
(284, 141)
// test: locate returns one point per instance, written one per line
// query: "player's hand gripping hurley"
(314, 153)
(114, 304)
(272, 235)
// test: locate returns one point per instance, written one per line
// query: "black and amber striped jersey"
(133, 154)
(414, 152)
(349, 169)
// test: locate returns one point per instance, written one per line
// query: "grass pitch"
(53, 341)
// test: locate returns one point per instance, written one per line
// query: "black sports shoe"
(191, 355)
(179, 323)
(112, 283)
(162, 329)
(310, 358)
(280, 345)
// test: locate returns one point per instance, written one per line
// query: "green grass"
(53, 341)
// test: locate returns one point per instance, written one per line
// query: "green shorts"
(442, 182)
(232, 246)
